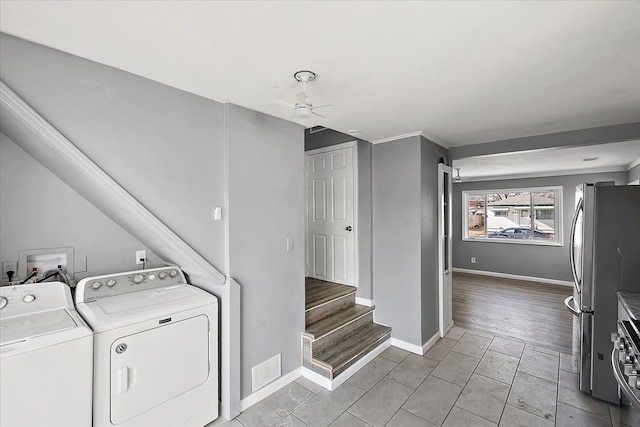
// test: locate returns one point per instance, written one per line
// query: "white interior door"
(444, 248)
(330, 216)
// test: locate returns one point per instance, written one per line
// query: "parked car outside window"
(520, 233)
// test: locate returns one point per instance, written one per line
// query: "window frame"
(558, 203)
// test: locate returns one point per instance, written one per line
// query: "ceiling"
(458, 72)
(619, 156)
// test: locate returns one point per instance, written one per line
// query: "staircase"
(338, 332)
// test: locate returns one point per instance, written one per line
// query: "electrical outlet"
(473, 260)
(141, 257)
(9, 266)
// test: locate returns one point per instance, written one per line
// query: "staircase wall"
(171, 150)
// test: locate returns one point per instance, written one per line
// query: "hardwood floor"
(528, 311)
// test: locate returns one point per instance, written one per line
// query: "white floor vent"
(266, 372)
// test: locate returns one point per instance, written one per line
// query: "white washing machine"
(155, 349)
(46, 358)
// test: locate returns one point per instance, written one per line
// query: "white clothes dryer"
(46, 358)
(155, 349)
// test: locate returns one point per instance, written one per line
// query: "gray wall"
(397, 238)
(327, 138)
(38, 210)
(550, 262)
(266, 206)
(633, 174)
(167, 148)
(431, 154)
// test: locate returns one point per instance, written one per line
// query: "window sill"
(513, 242)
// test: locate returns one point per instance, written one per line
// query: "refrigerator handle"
(572, 256)
(571, 306)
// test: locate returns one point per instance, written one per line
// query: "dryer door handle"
(125, 379)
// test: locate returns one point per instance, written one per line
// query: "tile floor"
(467, 379)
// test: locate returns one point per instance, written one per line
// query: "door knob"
(348, 228)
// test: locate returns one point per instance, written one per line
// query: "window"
(508, 215)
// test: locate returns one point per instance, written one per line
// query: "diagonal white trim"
(77, 165)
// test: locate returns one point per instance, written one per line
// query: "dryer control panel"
(93, 288)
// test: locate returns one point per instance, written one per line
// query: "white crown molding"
(543, 174)
(633, 164)
(394, 138)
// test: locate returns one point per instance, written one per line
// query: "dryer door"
(152, 367)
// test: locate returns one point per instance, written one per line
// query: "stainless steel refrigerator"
(605, 258)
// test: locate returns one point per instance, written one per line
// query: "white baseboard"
(365, 301)
(348, 373)
(446, 330)
(269, 389)
(514, 276)
(434, 339)
(407, 346)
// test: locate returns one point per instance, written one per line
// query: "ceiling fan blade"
(301, 98)
(323, 105)
(319, 115)
(282, 103)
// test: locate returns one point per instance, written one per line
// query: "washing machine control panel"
(19, 299)
(94, 288)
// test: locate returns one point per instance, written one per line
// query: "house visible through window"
(515, 215)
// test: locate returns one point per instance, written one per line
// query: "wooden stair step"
(339, 357)
(318, 292)
(329, 324)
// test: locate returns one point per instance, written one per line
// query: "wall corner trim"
(413, 348)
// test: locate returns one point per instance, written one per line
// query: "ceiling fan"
(303, 108)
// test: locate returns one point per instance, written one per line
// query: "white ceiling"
(619, 156)
(459, 72)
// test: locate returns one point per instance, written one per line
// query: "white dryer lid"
(22, 328)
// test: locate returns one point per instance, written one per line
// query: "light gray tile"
(456, 368)
(221, 423)
(276, 407)
(461, 418)
(433, 400)
(310, 385)
(480, 333)
(455, 333)
(507, 346)
(569, 393)
(440, 349)
(394, 354)
(403, 418)
(326, 406)
(412, 370)
(541, 365)
(484, 397)
(513, 416)
(498, 366)
(290, 421)
(566, 362)
(348, 420)
(372, 372)
(379, 404)
(543, 350)
(534, 395)
(472, 345)
(626, 415)
(568, 416)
